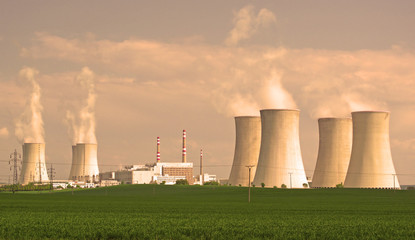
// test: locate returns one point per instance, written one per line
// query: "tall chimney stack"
(158, 149)
(201, 167)
(184, 147)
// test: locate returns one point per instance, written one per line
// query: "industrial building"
(335, 146)
(34, 165)
(371, 164)
(247, 145)
(280, 161)
(152, 173)
(84, 163)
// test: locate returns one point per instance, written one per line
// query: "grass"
(208, 212)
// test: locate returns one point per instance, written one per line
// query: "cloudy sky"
(135, 70)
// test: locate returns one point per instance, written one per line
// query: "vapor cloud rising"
(29, 127)
(81, 120)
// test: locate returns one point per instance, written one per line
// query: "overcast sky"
(158, 67)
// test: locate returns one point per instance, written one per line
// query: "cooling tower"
(34, 166)
(84, 162)
(334, 151)
(371, 164)
(75, 165)
(247, 144)
(280, 160)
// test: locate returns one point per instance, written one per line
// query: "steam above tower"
(334, 151)
(247, 145)
(371, 164)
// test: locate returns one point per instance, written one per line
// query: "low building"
(152, 173)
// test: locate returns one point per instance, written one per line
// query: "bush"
(340, 185)
(283, 186)
(162, 183)
(262, 184)
(305, 185)
(253, 185)
(182, 182)
(275, 186)
(211, 183)
(240, 185)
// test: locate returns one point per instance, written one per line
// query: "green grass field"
(195, 212)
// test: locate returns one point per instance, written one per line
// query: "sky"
(123, 73)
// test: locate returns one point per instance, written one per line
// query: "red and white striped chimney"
(184, 147)
(158, 149)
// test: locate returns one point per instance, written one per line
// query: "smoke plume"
(82, 120)
(29, 127)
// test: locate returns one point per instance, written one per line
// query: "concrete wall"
(335, 146)
(247, 144)
(371, 164)
(280, 160)
(34, 166)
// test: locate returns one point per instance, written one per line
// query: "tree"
(211, 183)
(262, 184)
(182, 182)
(340, 185)
(305, 185)
(283, 186)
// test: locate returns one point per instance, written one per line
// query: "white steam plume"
(82, 125)
(29, 127)
(246, 24)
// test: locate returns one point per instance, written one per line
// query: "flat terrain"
(195, 212)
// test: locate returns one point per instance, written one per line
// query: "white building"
(152, 173)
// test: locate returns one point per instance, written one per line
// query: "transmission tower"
(51, 175)
(15, 163)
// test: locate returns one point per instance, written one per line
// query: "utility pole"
(291, 184)
(15, 161)
(51, 175)
(249, 183)
(201, 167)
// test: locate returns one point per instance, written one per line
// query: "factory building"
(34, 165)
(152, 173)
(84, 163)
(371, 164)
(247, 145)
(280, 161)
(335, 146)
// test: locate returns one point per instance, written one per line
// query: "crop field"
(207, 212)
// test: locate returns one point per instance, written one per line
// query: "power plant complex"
(353, 152)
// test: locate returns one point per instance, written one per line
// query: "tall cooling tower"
(84, 162)
(34, 166)
(247, 144)
(371, 164)
(280, 160)
(75, 165)
(334, 151)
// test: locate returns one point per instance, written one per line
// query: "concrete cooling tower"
(371, 164)
(334, 151)
(280, 160)
(84, 163)
(33, 166)
(247, 144)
